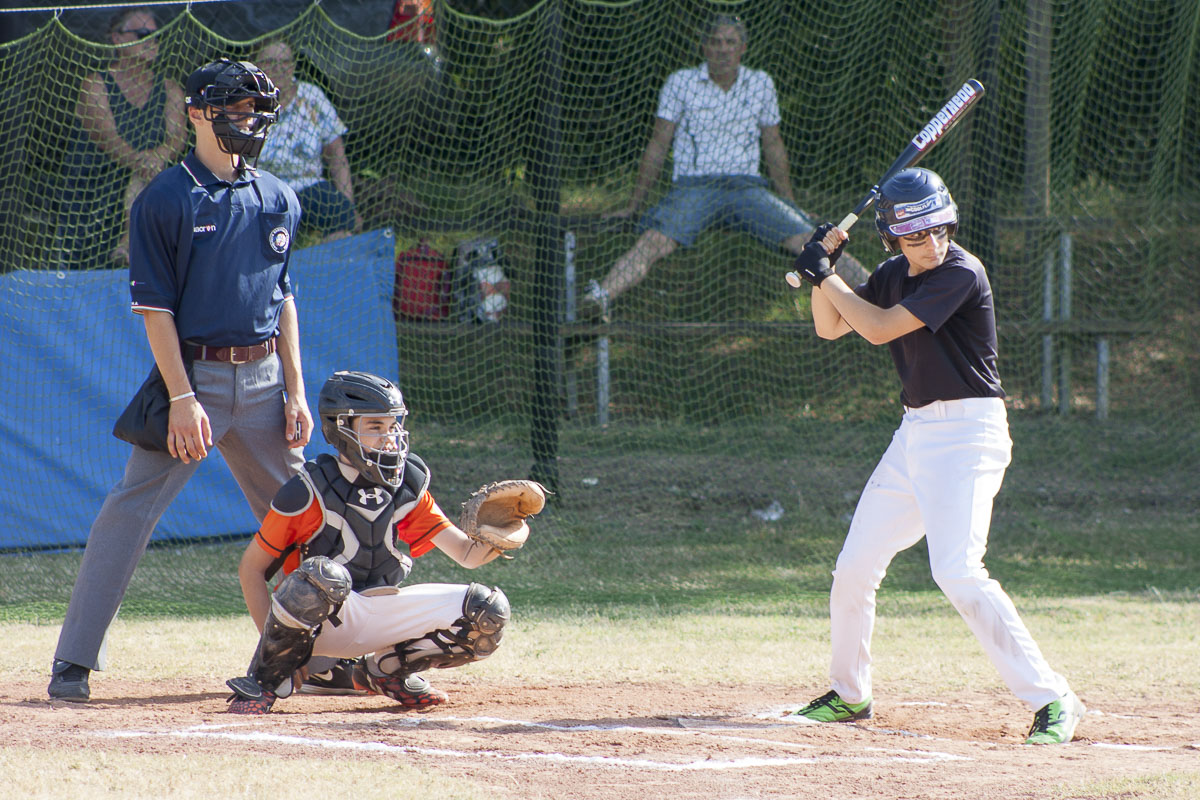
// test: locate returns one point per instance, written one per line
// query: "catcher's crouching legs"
(303, 601)
(472, 637)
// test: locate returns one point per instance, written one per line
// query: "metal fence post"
(1102, 361)
(569, 377)
(1048, 336)
(1064, 314)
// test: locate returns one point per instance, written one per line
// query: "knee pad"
(486, 609)
(306, 598)
(312, 593)
(472, 637)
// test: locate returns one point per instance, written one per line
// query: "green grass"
(35, 774)
(1126, 646)
(659, 516)
(655, 571)
(1160, 787)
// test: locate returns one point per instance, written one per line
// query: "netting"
(489, 152)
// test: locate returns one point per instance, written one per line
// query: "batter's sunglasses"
(939, 233)
(140, 33)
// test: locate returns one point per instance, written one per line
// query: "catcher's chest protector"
(360, 522)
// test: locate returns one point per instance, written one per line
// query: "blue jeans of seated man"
(740, 201)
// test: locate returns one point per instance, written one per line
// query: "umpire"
(210, 244)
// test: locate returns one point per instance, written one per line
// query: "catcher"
(339, 622)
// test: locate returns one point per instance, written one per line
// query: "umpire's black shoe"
(69, 682)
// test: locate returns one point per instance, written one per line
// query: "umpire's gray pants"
(244, 404)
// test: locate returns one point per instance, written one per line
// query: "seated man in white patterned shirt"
(722, 118)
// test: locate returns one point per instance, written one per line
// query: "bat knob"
(794, 280)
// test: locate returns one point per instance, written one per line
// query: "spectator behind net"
(304, 144)
(131, 126)
(715, 119)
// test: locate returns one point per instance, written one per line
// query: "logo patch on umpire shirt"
(280, 239)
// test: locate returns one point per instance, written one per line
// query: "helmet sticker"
(944, 216)
(279, 239)
(906, 210)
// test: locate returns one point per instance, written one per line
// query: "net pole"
(1037, 154)
(546, 183)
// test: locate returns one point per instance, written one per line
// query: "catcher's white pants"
(372, 623)
(937, 479)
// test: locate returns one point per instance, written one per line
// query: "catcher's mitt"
(496, 514)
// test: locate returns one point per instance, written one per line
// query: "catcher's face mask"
(380, 446)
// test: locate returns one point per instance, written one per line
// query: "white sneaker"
(595, 301)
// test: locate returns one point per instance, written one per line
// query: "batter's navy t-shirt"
(954, 355)
(212, 253)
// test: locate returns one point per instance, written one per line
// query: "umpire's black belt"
(231, 355)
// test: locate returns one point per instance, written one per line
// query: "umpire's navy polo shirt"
(213, 254)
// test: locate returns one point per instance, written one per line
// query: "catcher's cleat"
(256, 706)
(830, 707)
(411, 691)
(69, 682)
(249, 697)
(338, 680)
(1054, 723)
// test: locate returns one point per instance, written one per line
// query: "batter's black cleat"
(69, 682)
(411, 691)
(338, 680)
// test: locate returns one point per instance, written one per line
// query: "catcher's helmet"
(216, 86)
(360, 394)
(910, 201)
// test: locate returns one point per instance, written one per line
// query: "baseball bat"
(934, 131)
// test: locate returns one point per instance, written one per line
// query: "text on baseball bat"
(946, 117)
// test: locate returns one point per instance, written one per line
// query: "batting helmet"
(347, 395)
(216, 86)
(910, 201)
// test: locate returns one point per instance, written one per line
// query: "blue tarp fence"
(69, 340)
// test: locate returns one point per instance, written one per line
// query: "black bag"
(143, 423)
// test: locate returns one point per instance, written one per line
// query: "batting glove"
(813, 264)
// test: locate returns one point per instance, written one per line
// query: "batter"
(932, 305)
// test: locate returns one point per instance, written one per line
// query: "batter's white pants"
(374, 624)
(937, 479)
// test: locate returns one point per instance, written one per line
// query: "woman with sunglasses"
(131, 127)
(932, 305)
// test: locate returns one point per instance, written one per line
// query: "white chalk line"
(1118, 746)
(688, 726)
(706, 764)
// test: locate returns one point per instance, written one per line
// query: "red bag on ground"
(422, 284)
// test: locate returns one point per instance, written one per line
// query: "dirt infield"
(635, 742)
